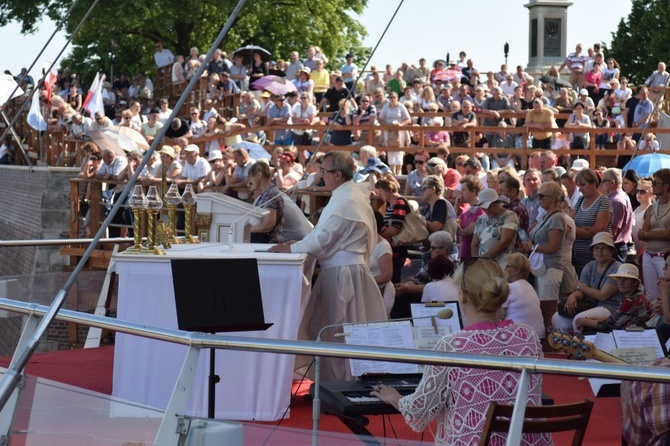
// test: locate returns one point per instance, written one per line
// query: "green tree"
(279, 26)
(640, 41)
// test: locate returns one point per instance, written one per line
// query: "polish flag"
(93, 102)
(35, 119)
(49, 80)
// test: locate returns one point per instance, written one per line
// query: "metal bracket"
(183, 425)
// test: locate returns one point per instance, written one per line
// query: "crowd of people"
(560, 244)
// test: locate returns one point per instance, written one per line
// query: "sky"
(414, 33)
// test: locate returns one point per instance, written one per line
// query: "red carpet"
(92, 369)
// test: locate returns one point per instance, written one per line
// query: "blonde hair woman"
(547, 237)
(446, 393)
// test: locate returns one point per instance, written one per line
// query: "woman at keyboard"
(458, 397)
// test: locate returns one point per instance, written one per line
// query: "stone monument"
(548, 25)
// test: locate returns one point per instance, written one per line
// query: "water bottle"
(523, 235)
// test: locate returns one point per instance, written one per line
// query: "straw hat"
(627, 270)
(168, 150)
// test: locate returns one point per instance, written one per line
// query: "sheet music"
(421, 310)
(637, 355)
(602, 341)
(638, 339)
(425, 338)
(385, 334)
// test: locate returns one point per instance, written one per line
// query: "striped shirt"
(585, 218)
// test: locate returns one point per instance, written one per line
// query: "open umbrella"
(275, 84)
(106, 142)
(447, 75)
(645, 165)
(247, 54)
(556, 82)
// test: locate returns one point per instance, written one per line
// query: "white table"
(254, 386)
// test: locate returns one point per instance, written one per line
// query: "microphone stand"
(316, 401)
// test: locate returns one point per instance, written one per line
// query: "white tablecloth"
(254, 386)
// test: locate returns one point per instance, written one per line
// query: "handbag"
(536, 260)
(413, 230)
(582, 304)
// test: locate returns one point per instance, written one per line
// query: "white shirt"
(523, 306)
(441, 291)
(163, 58)
(163, 116)
(196, 170)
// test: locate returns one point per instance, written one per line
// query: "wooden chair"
(540, 419)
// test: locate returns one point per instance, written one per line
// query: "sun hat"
(169, 151)
(604, 238)
(306, 70)
(486, 198)
(579, 164)
(627, 270)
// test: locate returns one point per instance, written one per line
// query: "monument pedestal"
(548, 25)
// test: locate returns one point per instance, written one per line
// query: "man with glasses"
(197, 126)
(622, 226)
(101, 121)
(279, 113)
(163, 56)
(342, 242)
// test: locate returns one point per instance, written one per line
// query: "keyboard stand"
(357, 425)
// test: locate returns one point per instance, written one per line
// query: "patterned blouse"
(458, 397)
(276, 234)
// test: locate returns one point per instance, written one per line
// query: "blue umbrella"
(645, 165)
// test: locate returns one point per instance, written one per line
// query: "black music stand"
(215, 296)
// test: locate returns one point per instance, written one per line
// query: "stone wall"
(33, 205)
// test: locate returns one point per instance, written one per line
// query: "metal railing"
(525, 365)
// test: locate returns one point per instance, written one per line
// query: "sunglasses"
(641, 192)
(364, 101)
(419, 162)
(433, 248)
(541, 196)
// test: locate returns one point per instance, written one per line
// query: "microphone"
(252, 211)
(446, 313)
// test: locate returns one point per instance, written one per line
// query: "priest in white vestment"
(342, 242)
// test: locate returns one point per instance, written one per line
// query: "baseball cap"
(192, 148)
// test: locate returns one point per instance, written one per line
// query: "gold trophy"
(188, 199)
(172, 200)
(153, 204)
(136, 203)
